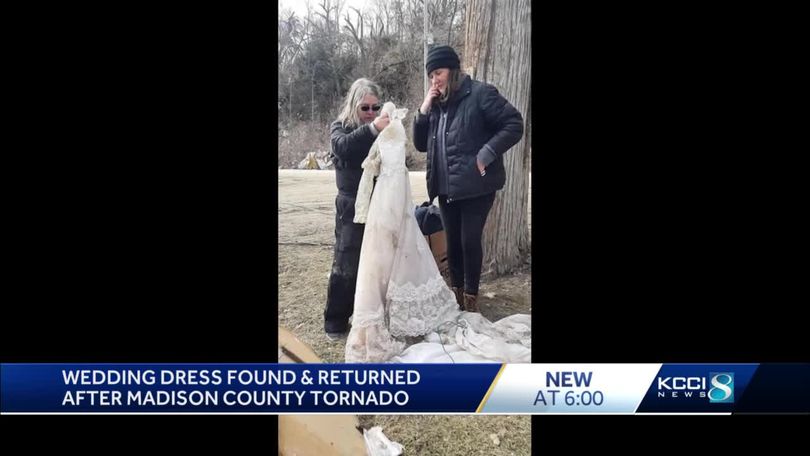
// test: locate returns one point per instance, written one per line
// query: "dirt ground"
(306, 209)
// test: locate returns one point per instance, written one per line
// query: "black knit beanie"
(441, 57)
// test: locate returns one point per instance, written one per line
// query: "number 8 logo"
(722, 389)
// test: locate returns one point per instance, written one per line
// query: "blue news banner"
(270, 388)
(406, 388)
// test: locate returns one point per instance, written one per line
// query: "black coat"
(478, 118)
(350, 146)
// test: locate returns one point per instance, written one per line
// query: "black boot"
(471, 302)
(459, 292)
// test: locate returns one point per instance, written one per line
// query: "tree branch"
(389, 66)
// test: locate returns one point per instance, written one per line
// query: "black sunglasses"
(374, 108)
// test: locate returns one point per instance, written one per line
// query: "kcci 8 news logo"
(720, 388)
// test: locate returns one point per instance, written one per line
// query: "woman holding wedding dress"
(400, 294)
(352, 135)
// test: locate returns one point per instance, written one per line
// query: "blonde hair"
(453, 83)
(359, 89)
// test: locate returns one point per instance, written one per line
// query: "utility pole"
(289, 101)
(312, 97)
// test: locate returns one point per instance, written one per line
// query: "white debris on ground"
(316, 160)
(377, 444)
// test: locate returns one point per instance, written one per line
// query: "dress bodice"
(392, 148)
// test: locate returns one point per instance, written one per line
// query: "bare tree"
(497, 50)
(356, 31)
(322, 51)
(450, 24)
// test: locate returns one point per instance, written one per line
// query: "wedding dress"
(401, 297)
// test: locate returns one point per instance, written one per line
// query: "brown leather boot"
(471, 302)
(459, 292)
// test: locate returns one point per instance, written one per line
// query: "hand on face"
(439, 78)
(438, 86)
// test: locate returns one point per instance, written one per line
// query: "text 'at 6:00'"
(571, 398)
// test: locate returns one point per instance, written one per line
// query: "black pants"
(343, 279)
(464, 225)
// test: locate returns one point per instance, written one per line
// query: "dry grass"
(456, 435)
(295, 142)
(306, 235)
(302, 295)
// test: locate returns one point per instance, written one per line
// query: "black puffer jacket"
(480, 123)
(350, 147)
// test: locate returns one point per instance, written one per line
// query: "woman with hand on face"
(465, 126)
(352, 135)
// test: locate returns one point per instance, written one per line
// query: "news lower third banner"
(404, 388)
